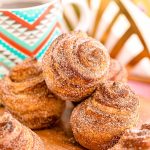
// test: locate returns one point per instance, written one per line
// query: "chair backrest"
(133, 29)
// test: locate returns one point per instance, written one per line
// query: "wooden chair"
(144, 5)
(133, 29)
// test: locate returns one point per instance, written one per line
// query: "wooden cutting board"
(60, 137)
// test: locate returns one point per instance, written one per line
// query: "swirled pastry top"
(99, 121)
(25, 94)
(74, 61)
(116, 95)
(26, 70)
(76, 54)
(25, 78)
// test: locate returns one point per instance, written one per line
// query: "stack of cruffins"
(76, 68)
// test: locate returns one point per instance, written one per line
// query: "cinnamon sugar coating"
(15, 136)
(117, 72)
(1, 94)
(26, 96)
(146, 126)
(134, 139)
(98, 122)
(74, 65)
(27, 70)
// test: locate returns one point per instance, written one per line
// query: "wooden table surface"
(57, 139)
(60, 137)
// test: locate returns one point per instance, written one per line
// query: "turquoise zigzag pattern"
(12, 50)
(4, 60)
(9, 64)
(55, 34)
(30, 15)
(23, 43)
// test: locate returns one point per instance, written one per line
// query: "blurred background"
(123, 26)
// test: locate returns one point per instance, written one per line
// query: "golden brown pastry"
(117, 72)
(146, 126)
(15, 136)
(74, 65)
(1, 105)
(98, 122)
(26, 96)
(134, 139)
